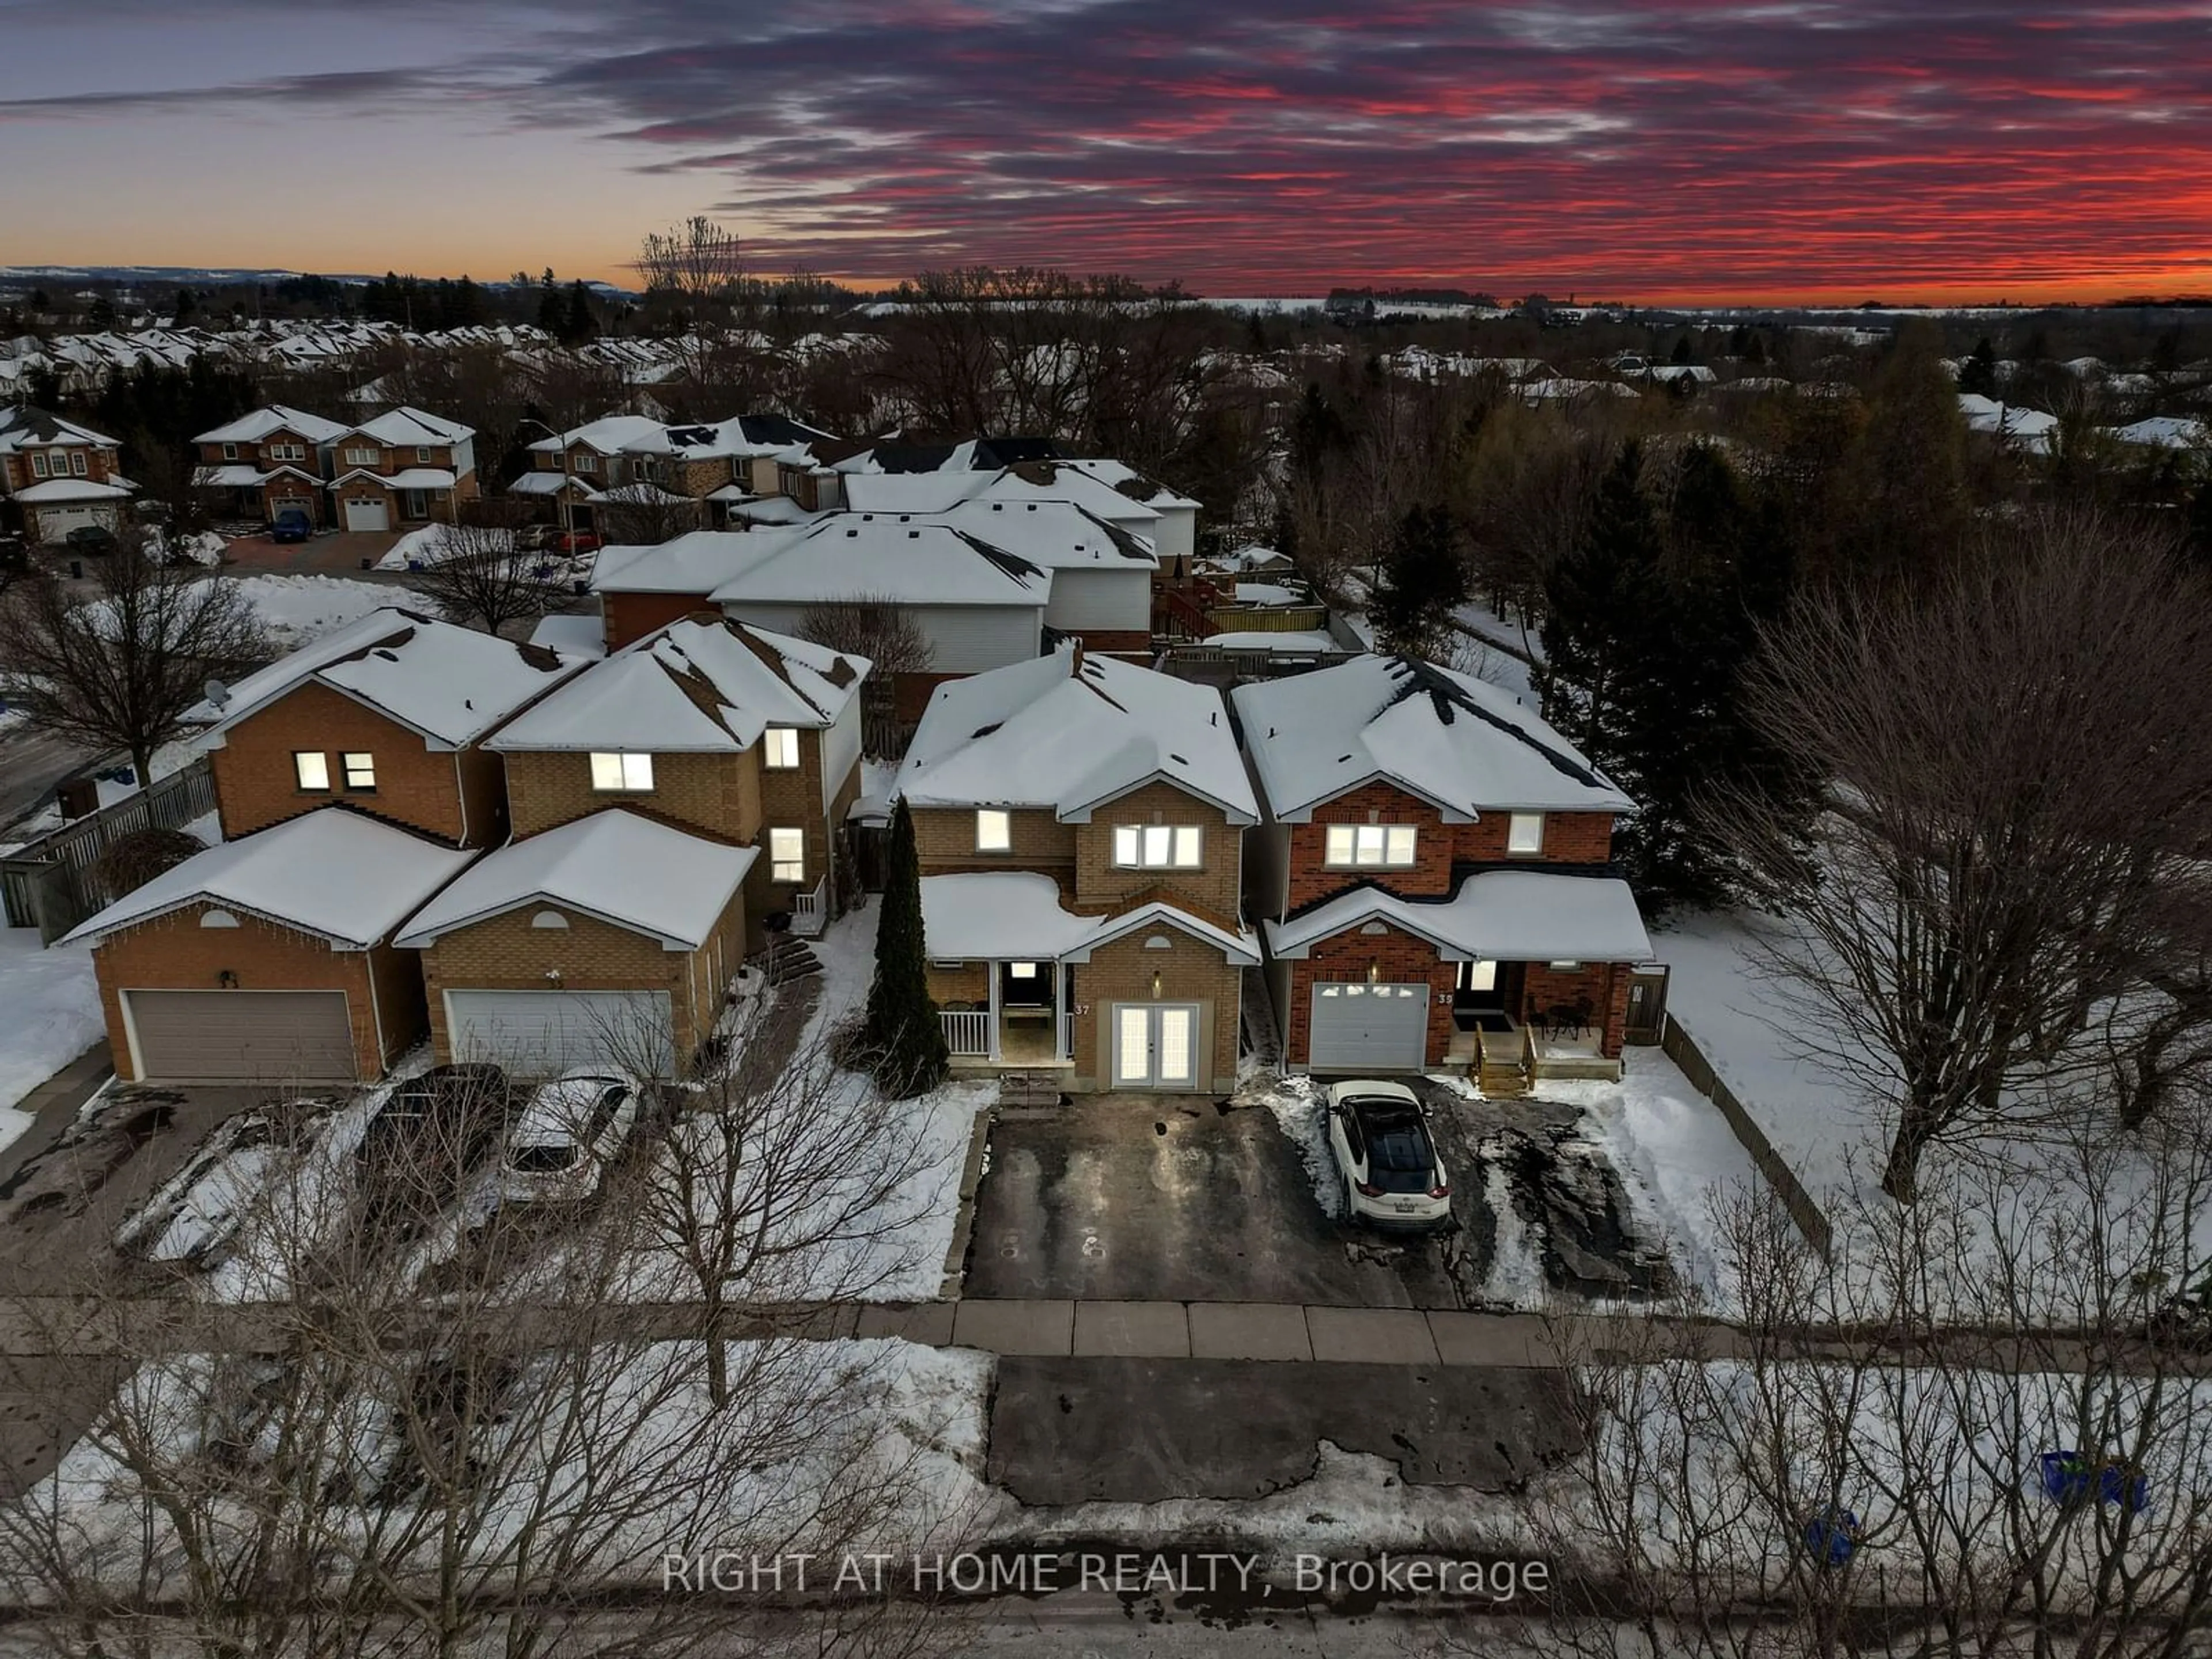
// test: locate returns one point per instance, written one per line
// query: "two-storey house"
(1080, 822)
(59, 476)
(1435, 868)
(666, 805)
(401, 470)
(350, 784)
(267, 463)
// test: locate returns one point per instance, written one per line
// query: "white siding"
(962, 639)
(1176, 537)
(841, 747)
(1121, 599)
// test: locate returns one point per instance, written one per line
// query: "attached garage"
(233, 1037)
(367, 512)
(1360, 1027)
(56, 522)
(539, 1033)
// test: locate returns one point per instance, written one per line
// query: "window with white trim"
(37, 464)
(786, 856)
(622, 770)
(586, 461)
(230, 452)
(994, 830)
(358, 770)
(1369, 846)
(1157, 846)
(422, 454)
(362, 457)
(77, 463)
(780, 747)
(1524, 833)
(311, 768)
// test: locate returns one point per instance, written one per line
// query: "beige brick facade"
(1188, 970)
(714, 795)
(944, 844)
(1213, 889)
(173, 952)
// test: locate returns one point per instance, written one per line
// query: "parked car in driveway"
(570, 540)
(566, 1135)
(90, 538)
(1392, 1175)
(291, 526)
(439, 1125)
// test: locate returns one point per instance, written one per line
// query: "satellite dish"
(218, 694)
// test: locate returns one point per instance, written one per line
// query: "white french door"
(1155, 1045)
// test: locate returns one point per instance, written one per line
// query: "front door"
(1155, 1045)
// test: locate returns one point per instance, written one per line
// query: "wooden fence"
(1686, 1053)
(53, 884)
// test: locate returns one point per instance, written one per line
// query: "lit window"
(360, 770)
(1524, 833)
(632, 772)
(1388, 846)
(994, 830)
(311, 768)
(1157, 846)
(779, 745)
(786, 854)
(1021, 971)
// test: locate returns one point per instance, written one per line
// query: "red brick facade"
(628, 617)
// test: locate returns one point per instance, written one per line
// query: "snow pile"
(431, 545)
(49, 1015)
(297, 609)
(203, 547)
(1303, 1117)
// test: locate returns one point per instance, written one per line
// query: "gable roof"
(616, 865)
(1458, 742)
(698, 562)
(609, 434)
(22, 427)
(851, 556)
(1071, 732)
(1029, 481)
(449, 684)
(254, 426)
(1508, 915)
(404, 425)
(696, 686)
(1000, 913)
(334, 872)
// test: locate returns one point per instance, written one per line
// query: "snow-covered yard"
(297, 609)
(49, 1015)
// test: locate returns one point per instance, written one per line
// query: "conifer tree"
(1423, 581)
(904, 1038)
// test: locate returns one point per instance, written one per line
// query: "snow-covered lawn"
(49, 1015)
(297, 609)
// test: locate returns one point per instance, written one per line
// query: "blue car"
(291, 525)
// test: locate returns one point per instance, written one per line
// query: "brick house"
(606, 940)
(713, 727)
(597, 475)
(267, 463)
(404, 470)
(385, 715)
(58, 475)
(1080, 823)
(1435, 868)
(271, 958)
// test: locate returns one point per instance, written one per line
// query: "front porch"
(1022, 1019)
(1514, 1023)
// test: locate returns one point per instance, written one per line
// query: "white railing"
(810, 912)
(968, 1036)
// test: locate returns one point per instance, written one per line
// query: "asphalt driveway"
(1153, 1198)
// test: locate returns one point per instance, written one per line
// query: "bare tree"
(890, 637)
(699, 261)
(120, 666)
(644, 514)
(2018, 778)
(477, 575)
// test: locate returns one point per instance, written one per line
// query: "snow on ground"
(415, 548)
(1725, 999)
(1303, 1117)
(49, 1015)
(207, 828)
(297, 609)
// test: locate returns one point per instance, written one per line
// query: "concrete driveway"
(332, 553)
(1159, 1198)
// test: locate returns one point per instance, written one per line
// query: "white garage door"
(538, 1033)
(56, 522)
(237, 1036)
(369, 514)
(1369, 1028)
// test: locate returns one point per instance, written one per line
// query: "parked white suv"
(1379, 1133)
(568, 1132)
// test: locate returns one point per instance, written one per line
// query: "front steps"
(786, 960)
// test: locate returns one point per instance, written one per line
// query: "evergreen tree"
(1979, 374)
(903, 1037)
(1425, 578)
(581, 325)
(2199, 533)
(1597, 600)
(550, 314)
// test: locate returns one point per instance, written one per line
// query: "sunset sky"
(1651, 149)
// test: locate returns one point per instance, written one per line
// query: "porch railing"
(968, 1034)
(810, 912)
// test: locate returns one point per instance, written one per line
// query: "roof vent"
(218, 694)
(914, 535)
(852, 534)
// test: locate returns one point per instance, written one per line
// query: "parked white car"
(568, 1132)
(1392, 1177)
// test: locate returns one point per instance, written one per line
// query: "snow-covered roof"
(1296, 642)
(616, 865)
(549, 483)
(72, 489)
(581, 634)
(855, 555)
(414, 477)
(235, 475)
(332, 872)
(698, 562)
(695, 686)
(1457, 741)
(450, 684)
(22, 427)
(1497, 916)
(405, 427)
(609, 434)
(1127, 480)
(1016, 914)
(1071, 733)
(261, 423)
(2167, 432)
(1057, 535)
(1033, 481)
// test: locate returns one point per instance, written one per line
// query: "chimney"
(1076, 667)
